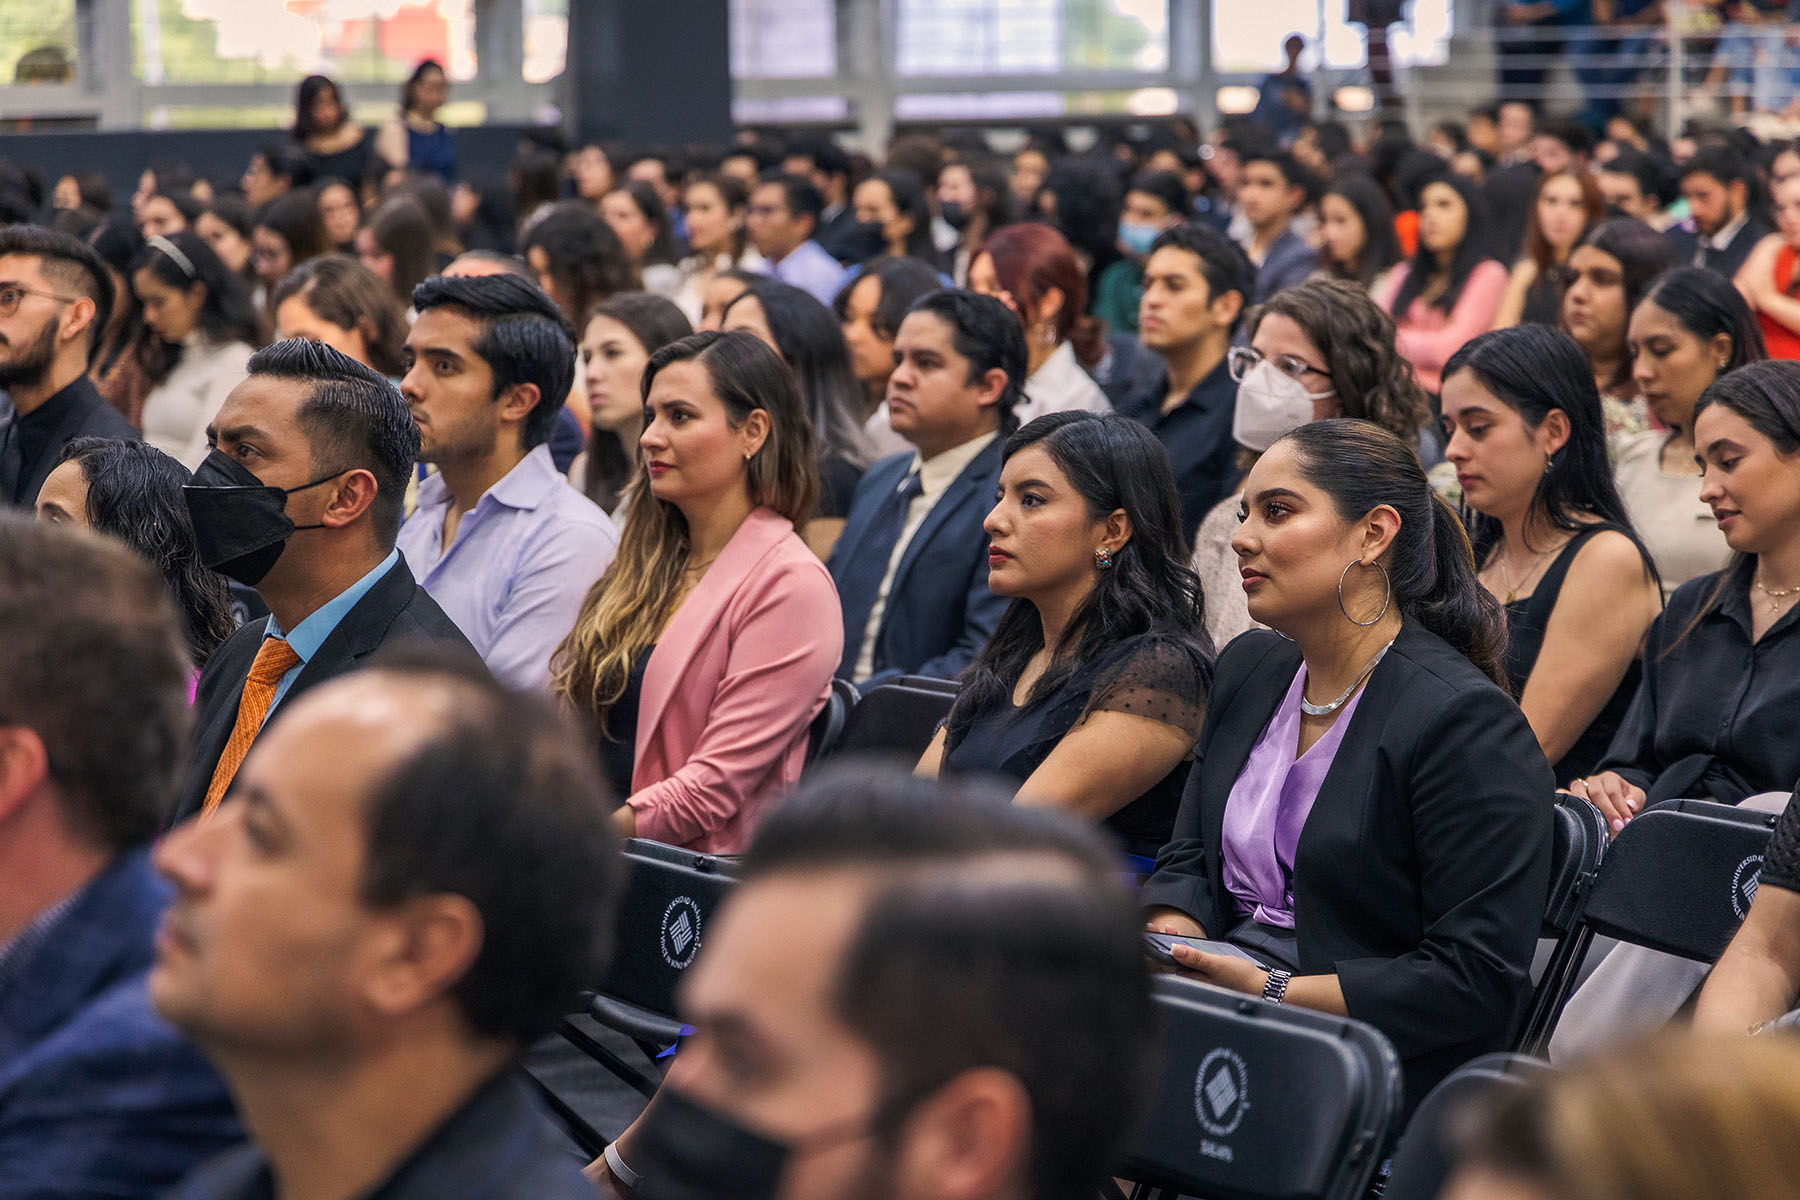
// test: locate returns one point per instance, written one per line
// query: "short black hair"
(501, 805)
(353, 418)
(1650, 177)
(71, 262)
(285, 160)
(1166, 186)
(524, 338)
(825, 154)
(956, 965)
(988, 334)
(1573, 134)
(1292, 172)
(92, 660)
(803, 199)
(1223, 263)
(1720, 163)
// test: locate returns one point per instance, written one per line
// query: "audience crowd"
(1285, 516)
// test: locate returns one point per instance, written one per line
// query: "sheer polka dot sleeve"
(1781, 865)
(1161, 681)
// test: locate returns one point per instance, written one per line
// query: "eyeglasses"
(1243, 360)
(13, 294)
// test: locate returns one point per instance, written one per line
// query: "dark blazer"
(939, 610)
(1727, 261)
(497, 1146)
(76, 411)
(395, 609)
(1422, 871)
(1290, 261)
(98, 1096)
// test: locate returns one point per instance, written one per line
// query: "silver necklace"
(1325, 710)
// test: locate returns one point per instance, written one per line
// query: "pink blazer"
(732, 687)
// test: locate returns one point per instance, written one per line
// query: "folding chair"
(929, 683)
(670, 897)
(828, 726)
(895, 720)
(1678, 878)
(1578, 846)
(1261, 1100)
(1422, 1159)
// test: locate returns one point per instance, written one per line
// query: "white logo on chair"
(680, 932)
(1221, 1092)
(1743, 885)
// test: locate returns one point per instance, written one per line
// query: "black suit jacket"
(394, 610)
(76, 411)
(1727, 261)
(1422, 871)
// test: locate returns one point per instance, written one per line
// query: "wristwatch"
(1275, 990)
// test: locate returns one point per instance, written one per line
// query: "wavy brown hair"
(626, 611)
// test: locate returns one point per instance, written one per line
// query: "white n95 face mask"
(1270, 403)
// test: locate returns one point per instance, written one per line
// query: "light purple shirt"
(523, 559)
(812, 270)
(1268, 807)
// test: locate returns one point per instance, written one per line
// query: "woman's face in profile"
(1041, 536)
(62, 500)
(1291, 544)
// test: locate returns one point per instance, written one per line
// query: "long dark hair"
(655, 322)
(1705, 303)
(1535, 370)
(908, 193)
(648, 203)
(226, 315)
(118, 243)
(812, 344)
(134, 494)
(402, 230)
(1642, 253)
(587, 260)
(309, 90)
(1431, 566)
(1114, 463)
(1471, 252)
(1381, 245)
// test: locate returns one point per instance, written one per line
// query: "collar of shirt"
(1722, 239)
(1201, 397)
(311, 633)
(523, 487)
(942, 470)
(18, 951)
(53, 407)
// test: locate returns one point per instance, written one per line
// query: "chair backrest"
(1679, 878)
(1262, 1100)
(929, 683)
(828, 726)
(670, 897)
(895, 719)
(1578, 843)
(1422, 1160)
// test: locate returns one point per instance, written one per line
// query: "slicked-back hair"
(524, 338)
(1223, 265)
(68, 261)
(985, 332)
(353, 419)
(92, 660)
(499, 804)
(995, 936)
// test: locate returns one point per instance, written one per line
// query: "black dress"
(1162, 678)
(618, 741)
(1526, 621)
(1543, 299)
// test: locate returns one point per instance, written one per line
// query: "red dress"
(1781, 341)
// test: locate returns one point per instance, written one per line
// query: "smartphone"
(1156, 945)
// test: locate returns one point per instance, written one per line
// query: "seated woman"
(1319, 349)
(637, 215)
(869, 309)
(1552, 540)
(1092, 690)
(1608, 273)
(1356, 225)
(287, 231)
(1034, 270)
(714, 208)
(705, 651)
(1567, 202)
(1690, 328)
(1770, 277)
(335, 145)
(336, 300)
(1450, 289)
(133, 492)
(1714, 716)
(621, 336)
(803, 332)
(893, 204)
(1371, 810)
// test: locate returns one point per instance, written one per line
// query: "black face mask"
(687, 1152)
(240, 523)
(955, 215)
(864, 241)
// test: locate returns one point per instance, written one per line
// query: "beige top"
(178, 410)
(1665, 509)
(1216, 563)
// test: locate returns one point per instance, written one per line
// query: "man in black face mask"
(916, 991)
(301, 499)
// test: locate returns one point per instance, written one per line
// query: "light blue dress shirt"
(521, 563)
(812, 270)
(311, 633)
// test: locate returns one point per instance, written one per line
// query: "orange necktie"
(274, 659)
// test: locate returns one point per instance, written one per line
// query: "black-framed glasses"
(13, 294)
(1243, 360)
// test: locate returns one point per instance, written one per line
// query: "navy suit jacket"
(394, 610)
(939, 610)
(99, 1097)
(497, 1146)
(1727, 261)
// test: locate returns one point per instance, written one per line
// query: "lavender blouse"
(1268, 807)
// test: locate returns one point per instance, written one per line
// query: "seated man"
(98, 1096)
(1272, 191)
(308, 423)
(913, 991)
(911, 565)
(500, 540)
(411, 879)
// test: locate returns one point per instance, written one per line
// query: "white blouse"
(177, 410)
(1060, 385)
(1679, 531)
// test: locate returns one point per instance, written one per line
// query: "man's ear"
(24, 767)
(353, 496)
(422, 951)
(993, 386)
(78, 320)
(969, 1140)
(518, 401)
(1227, 308)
